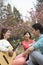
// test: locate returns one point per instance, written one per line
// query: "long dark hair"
(38, 26)
(3, 31)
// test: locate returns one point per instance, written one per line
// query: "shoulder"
(1, 40)
(5, 41)
(39, 42)
(32, 41)
(23, 42)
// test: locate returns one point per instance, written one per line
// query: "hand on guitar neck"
(10, 53)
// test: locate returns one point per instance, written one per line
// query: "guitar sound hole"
(5, 59)
(0, 64)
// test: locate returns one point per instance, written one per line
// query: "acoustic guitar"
(5, 59)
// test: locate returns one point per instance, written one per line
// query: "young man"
(32, 51)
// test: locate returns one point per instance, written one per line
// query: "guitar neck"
(15, 47)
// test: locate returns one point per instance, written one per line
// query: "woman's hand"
(10, 53)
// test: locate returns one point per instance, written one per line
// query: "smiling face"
(35, 32)
(7, 34)
(27, 36)
(37, 29)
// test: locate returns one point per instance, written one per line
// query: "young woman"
(20, 60)
(27, 42)
(4, 43)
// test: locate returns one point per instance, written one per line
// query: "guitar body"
(5, 59)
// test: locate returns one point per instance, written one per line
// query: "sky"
(22, 5)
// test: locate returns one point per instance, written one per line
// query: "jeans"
(35, 58)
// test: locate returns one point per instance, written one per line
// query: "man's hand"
(28, 51)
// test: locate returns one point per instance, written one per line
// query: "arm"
(4, 49)
(4, 45)
(28, 51)
(36, 45)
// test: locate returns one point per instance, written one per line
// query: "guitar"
(5, 59)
